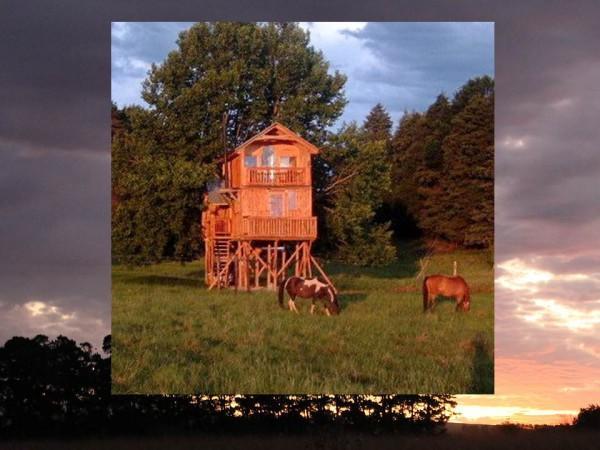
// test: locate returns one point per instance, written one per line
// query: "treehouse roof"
(273, 134)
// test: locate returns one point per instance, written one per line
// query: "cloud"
(134, 47)
(402, 65)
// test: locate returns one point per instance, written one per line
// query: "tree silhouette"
(588, 417)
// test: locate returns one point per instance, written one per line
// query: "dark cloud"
(425, 59)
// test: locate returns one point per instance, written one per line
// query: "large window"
(276, 204)
(268, 157)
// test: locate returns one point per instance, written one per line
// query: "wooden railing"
(275, 176)
(279, 227)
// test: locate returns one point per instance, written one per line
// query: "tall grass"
(172, 335)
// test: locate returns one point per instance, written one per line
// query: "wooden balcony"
(282, 228)
(276, 176)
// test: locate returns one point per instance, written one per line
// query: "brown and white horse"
(456, 287)
(309, 288)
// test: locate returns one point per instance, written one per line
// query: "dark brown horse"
(456, 287)
(309, 288)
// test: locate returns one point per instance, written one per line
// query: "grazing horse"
(456, 287)
(309, 288)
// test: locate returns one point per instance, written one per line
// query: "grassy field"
(171, 335)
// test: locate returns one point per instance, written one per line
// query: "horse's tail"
(282, 287)
(425, 294)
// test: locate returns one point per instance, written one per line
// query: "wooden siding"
(257, 201)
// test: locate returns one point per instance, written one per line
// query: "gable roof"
(277, 132)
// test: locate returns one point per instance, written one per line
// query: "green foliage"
(469, 180)
(359, 180)
(443, 166)
(224, 83)
(158, 196)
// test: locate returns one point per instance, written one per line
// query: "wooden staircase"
(221, 255)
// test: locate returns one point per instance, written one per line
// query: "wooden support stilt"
(322, 272)
(269, 262)
(275, 259)
(308, 248)
(297, 265)
(291, 259)
(283, 264)
(256, 274)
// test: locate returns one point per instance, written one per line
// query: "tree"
(358, 180)
(588, 417)
(469, 182)
(224, 83)
(443, 166)
(378, 124)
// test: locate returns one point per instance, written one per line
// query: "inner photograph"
(302, 208)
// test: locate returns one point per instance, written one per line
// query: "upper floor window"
(268, 157)
(250, 161)
(287, 161)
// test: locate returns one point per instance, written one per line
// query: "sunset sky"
(55, 86)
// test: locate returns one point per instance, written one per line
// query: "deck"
(267, 228)
(275, 176)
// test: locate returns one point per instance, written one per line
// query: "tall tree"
(378, 124)
(358, 181)
(443, 166)
(224, 83)
(469, 184)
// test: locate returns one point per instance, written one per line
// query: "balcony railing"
(279, 227)
(275, 176)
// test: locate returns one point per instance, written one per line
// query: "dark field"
(458, 437)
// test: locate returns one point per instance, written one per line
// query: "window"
(250, 161)
(276, 205)
(287, 161)
(268, 157)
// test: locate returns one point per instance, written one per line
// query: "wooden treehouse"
(258, 225)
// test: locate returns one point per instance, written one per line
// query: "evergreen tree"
(378, 124)
(407, 157)
(443, 166)
(469, 184)
(431, 170)
(359, 180)
(224, 83)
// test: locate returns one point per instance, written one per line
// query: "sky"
(402, 65)
(55, 86)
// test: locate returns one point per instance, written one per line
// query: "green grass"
(171, 335)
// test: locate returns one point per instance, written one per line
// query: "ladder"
(222, 254)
